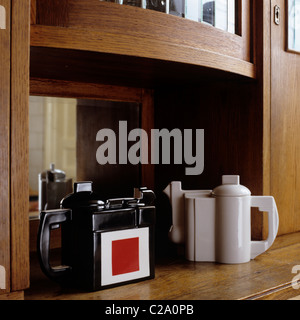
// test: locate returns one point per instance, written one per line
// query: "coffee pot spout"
(177, 200)
(176, 197)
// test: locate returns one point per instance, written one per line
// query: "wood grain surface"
(5, 145)
(150, 34)
(138, 23)
(179, 279)
(19, 145)
(285, 128)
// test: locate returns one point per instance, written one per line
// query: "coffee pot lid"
(53, 174)
(83, 196)
(231, 187)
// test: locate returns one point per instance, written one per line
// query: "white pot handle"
(265, 203)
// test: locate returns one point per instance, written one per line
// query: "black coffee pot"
(104, 244)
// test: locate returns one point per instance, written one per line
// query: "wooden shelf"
(118, 38)
(97, 41)
(269, 276)
(112, 69)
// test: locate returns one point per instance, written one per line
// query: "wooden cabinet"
(14, 90)
(199, 76)
(180, 73)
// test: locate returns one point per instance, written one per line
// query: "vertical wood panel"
(4, 144)
(231, 115)
(33, 12)
(52, 12)
(19, 145)
(285, 127)
(147, 123)
(246, 32)
(261, 34)
(109, 180)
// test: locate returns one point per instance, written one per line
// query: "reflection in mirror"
(63, 132)
(52, 140)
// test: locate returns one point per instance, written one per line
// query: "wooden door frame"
(5, 53)
(14, 195)
(19, 144)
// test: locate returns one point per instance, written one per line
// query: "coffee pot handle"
(50, 219)
(265, 204)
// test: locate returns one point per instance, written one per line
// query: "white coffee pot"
(215, 225)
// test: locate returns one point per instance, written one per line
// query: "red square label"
(125, 256)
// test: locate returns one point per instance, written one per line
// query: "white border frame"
(106, 255)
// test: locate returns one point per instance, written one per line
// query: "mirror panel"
(63, 132)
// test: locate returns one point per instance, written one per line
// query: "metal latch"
(277, 15)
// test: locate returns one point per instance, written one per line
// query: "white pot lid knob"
(231, 187)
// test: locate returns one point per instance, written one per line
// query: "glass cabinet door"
(293, 26)
(217, 13)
